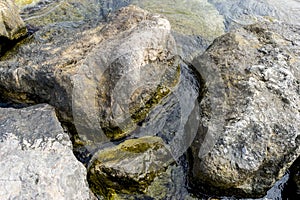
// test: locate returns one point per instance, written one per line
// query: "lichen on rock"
(129, 167)
(249, 111)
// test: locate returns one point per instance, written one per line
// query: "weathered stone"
(40, 68)
(37, 161)
(125, 76)
(194, 24)
(128, 168)
(250, 111)
(12, 26)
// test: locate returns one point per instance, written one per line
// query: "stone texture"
(129, 167)
(37, 161)
(42, 67)
(128, 75)
(12, 26)
(250, 116)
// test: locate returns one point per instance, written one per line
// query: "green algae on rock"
(129, 167)
(42, 12)
(193, 17)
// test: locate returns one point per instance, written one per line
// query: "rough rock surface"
(41, 68)
(129, 167)
(37, 161)
(126, 76)
(250, 111)
(12, 26)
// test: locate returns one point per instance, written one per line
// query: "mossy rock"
(128, 168)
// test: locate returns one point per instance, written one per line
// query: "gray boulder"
(37, 161)
(250, 112)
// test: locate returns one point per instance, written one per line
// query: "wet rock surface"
(249, 134)
(127, 75)
(38, 13)
(128, 168)
(37, 161)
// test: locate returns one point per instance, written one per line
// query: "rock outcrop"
(37, 161)
(250, 111)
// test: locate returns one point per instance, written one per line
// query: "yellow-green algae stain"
(190, 17)
(22, 3)
(122, 169)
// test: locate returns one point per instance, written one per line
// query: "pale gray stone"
(37, 161)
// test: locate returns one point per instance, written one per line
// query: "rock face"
(12, 26)
(37, 161)
(128, 168)
(250, 116)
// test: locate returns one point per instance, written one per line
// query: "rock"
(39, 68)
(129, 167)
(126, 75)
(250, 112)
(12, 26)
(37, 161)
(42, 68)
(194, 24)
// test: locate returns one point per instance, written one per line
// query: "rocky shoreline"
(155, 106)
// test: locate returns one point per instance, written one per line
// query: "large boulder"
(37, 161)
(110, 75)
(250, 112)
(124, 77)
